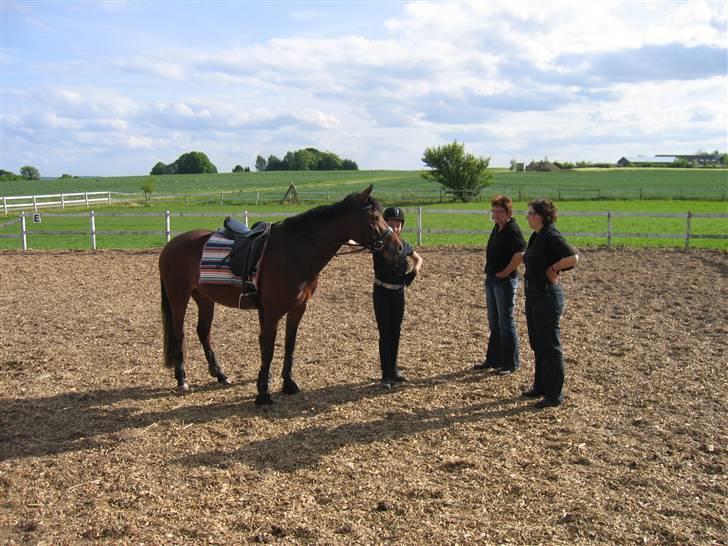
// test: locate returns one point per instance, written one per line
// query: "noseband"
(378, 245)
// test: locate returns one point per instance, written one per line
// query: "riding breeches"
(389, 312)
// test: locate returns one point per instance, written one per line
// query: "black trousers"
(389, 312)
(544, 308)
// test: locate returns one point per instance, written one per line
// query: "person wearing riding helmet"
(390, 280)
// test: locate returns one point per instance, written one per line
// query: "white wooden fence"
(55, 200)
(420, 229)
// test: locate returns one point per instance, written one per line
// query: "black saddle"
(245, 256)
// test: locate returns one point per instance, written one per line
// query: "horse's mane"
(328, 212)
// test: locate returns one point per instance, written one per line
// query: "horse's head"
(371, 230)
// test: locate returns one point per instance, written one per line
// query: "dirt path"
(94, 447)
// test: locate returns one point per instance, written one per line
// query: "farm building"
(697, 160)
(641, 160)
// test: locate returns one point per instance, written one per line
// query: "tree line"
(305, 159)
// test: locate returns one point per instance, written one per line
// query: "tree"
(147, 187)
(260, 163)
(274, 164)
(8, 176)
(188, 163)
(349, 165)
(463, 174)
(238, 169)
(29, 172)
(328, 161)
(194, 163)
(159, 168)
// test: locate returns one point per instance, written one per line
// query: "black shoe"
(386, 383)
(483, 366)
(398, 377)
(505, 371)
(547, 403)
(531, 393)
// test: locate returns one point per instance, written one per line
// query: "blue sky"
(110, 88)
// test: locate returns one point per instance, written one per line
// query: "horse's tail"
(170, 339)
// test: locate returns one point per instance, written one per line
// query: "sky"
(109, 88)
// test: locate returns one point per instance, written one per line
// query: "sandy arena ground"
(96, 448)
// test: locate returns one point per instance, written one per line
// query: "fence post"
(640, 194)
(221, 198)
(63, 202)
(109, 198)
(93, 230)
(85, 196)
(419, 226)
(167, 226)
(23, 231)
(5, 206)
(687, 230)
(609, 229)
(245, 215)
(35, 204)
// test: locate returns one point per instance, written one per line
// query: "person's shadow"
(31, 427)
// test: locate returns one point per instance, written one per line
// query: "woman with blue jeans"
(547, 254)
(503, 255)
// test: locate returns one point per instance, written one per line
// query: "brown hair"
(546, 209)
(503, 202)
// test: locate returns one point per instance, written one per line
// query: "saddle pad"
(214, 268)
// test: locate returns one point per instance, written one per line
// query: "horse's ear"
(363, 197)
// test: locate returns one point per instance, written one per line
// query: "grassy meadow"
(592, 184)
(579, 191)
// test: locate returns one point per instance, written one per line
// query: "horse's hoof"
(290, 387)
(263, 399)
(183, 389)
(223, 380)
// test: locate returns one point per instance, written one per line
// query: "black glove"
(409, 277)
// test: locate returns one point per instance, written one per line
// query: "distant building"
(699, 160)
(640, 160)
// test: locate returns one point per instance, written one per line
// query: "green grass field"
(587, 190)
(408, 186)
(151, 218)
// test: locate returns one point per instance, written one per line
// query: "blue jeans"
(544, 308)
(500, 297)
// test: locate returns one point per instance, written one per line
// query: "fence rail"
(55, 200)
(421, 230)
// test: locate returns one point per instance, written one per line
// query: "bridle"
(374, 246)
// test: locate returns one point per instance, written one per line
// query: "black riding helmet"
(394, 213)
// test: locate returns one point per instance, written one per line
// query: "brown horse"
(298, 249)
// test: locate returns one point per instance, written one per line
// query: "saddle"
(247, 250)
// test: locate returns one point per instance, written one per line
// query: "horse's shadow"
(88, 420)
(305, 448)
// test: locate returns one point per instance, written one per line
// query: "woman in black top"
(503, 255)
(390, 280)
(546, 256)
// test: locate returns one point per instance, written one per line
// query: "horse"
(298, 248)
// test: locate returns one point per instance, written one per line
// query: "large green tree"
(28, 172)
(187, 163)
(463, 174)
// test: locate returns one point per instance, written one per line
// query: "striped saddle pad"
(214, 266)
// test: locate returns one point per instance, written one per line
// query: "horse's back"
(179, 260)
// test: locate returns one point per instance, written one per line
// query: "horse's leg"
(293, 319)
(267, 339)
(204, 324)
(174, 308)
